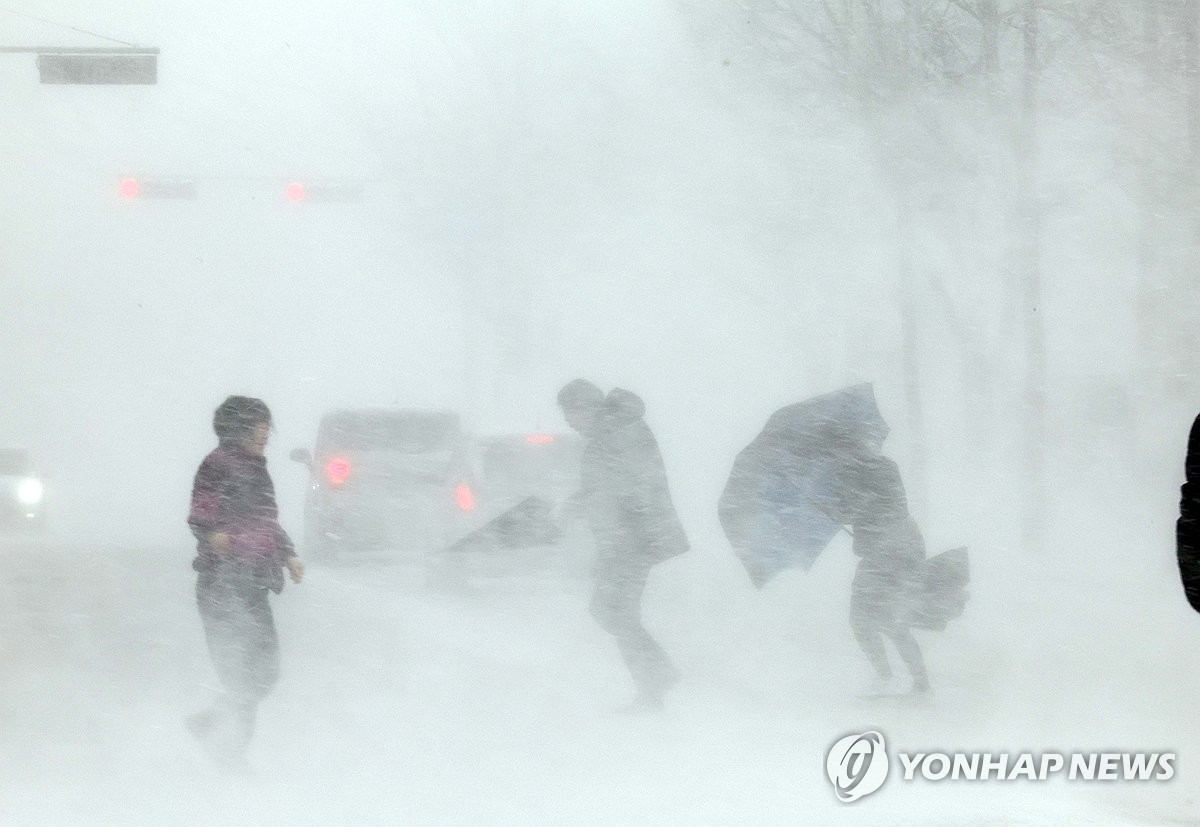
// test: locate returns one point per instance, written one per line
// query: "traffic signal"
(300, 192)
(137, 187)
(131, 188)
(95, 67)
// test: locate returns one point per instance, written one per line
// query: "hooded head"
(581, 401)
(242, 420)
(622, 407)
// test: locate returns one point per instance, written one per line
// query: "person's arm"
(284, 543)
(204, 518)
(287, 550)
(574, 506)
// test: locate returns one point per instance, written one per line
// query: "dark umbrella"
(780, 507)
(528, 523)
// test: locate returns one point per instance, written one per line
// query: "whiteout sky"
(618, 191)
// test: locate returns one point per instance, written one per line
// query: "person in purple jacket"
(241, 553)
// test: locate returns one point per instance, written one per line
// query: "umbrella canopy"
(528, 523)
(781, 506)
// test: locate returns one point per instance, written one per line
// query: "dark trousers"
(240, 631)
(617, 607)
(877, 598)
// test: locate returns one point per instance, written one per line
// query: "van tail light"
(465, 497)
(539, 439)
(337, 470)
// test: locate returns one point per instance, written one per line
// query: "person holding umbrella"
(889, 580)
(627, 503)
(815, 469)
(241, 552)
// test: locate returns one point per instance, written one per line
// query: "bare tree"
(1140, 61)
(1116, 82)
(909, 71)
(1034, 437)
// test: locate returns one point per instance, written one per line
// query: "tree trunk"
(1191, 34)
(910, 355)
(1149, 356)
(1034, 428)
(989, 24)
(1191, 68)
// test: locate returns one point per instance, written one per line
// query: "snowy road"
(401, 703)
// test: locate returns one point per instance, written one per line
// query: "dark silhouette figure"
(889, 582)
(626, 498)
(1187, 529)
(241, 552)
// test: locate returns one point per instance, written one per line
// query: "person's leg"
(648, 664)
(217, 726)
(258, 669)
(605, 596)
(242, 642)
(262, 647)
(910, 652)
(616, 605)
(867, 609)
(910, 592)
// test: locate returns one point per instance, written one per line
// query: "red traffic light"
(322, 191)
(131, 188)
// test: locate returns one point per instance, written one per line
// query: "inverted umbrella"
(781, 505)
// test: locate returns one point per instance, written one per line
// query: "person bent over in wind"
(626, 499)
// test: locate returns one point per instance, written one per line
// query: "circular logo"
(857, 765)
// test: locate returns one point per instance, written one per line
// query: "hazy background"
(724, 206)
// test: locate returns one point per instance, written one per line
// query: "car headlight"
(30, 491)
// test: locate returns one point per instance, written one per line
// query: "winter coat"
(871, 500)
(1187, 529)
(233, 494)
(624, 487)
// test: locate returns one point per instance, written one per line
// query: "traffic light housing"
(133, 188)
(295, 191)
(301, 192)
(117, 67)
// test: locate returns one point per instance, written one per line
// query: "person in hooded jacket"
(888, 581)
(1187, 528)
(241, 553)
(627, 502)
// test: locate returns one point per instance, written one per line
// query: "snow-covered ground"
(406, 703)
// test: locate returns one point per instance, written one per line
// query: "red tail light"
(337, 470)
(539, 439)
(464, 497)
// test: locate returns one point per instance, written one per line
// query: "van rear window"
(409, 433)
